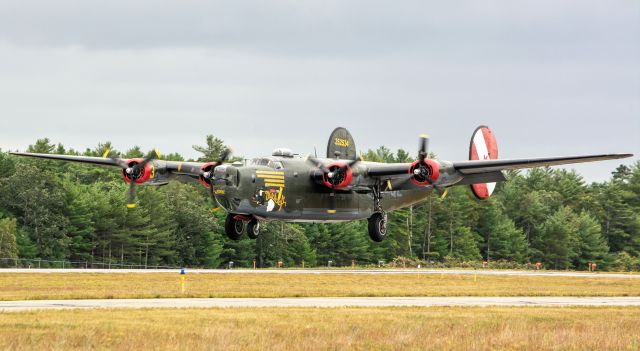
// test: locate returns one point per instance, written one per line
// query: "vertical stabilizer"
(341, 145)
(483, 147)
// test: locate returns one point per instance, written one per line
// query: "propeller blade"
(332, 201)
(135, 170)
(117, 161)
(424, 148)
(317, 163)
(224, 156)
(214, 203)
(132, 195)
(152, 155)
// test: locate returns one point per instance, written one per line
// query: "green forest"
(62, 211)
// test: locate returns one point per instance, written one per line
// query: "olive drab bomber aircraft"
(340, 187)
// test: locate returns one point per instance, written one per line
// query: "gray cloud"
(550, 78)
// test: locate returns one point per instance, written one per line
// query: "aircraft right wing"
(191, 169)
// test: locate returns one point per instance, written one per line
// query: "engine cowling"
(138, 175)
(429, 171)
(207, 168)
(337, 179)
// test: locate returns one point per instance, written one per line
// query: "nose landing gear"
(235, 225)
(253, 229)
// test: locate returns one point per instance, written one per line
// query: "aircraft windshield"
(271, 163)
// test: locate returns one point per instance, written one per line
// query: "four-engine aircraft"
(340, 187)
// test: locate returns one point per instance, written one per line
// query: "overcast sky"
(549, 77)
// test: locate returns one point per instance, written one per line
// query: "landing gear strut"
(378, 221)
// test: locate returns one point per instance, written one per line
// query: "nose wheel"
(253, 229)
(235, 225)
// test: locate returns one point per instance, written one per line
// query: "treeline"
(63, 211)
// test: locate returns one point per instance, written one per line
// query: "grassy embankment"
(88, 285)
(321, 329)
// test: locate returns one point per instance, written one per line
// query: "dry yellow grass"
(86, 285)
(325, 329)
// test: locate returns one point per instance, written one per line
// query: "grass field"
(321, 329)
(87, 285)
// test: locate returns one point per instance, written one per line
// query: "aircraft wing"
(487, 166)
(389, 170)
(487, 171)
(102, 161)
(191, 169)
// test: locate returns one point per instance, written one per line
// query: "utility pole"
(410, 227)
(451, 231)
(426, 242)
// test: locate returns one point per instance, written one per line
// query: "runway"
(494, 272)
(326, 302)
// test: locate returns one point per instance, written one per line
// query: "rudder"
(483, 146)
(341, 145)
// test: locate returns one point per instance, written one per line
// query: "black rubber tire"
(253, 229)
(233, 228)
(377, 227)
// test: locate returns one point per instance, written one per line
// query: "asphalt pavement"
(542, 273)
(9, 306)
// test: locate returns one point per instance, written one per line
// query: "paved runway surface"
(7, 306)
(335, 271)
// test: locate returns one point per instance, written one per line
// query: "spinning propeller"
(335, 176)
(207, 175)
(422, 172)
(133, 170)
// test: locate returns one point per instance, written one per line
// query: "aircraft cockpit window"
(260, 162)
(268, 163)
(276, 165)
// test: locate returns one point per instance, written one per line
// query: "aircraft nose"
(226, 175)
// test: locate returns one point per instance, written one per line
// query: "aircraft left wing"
(475, 172)
(487, 166)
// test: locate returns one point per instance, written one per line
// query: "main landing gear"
(378, 221)
(235, 225)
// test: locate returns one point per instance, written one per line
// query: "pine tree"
(558, 241)
(81, 230)
(500, 239)
(8, 244)
(36, 198)
(465, 245)
(196, 241)
(591, 245)
(7, 166)
(212, 150)
(158, 243)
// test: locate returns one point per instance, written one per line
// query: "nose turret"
(226, 181)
